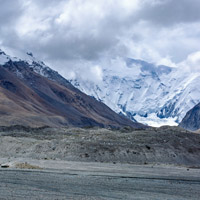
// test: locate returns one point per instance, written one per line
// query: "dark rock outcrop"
(192, 119)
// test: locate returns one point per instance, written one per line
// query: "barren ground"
(166, 145)
(59, 180)
(74, 163)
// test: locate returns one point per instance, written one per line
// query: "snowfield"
(150, 94)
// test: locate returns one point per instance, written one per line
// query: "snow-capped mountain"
(36, 65)
(33, 94)
(155, 95)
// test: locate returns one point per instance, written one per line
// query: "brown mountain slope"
(28, 98)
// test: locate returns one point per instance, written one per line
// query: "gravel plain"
(71, 163)
(80, 180)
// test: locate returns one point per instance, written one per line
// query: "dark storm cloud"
(170, 12)
(9, 12)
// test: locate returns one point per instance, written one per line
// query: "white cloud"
(192, 63)
(97, 73)
(74, 35)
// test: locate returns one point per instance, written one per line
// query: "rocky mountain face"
(192, 119)
(150, 94)
(33, 94)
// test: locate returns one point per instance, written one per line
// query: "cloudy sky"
(82, 35)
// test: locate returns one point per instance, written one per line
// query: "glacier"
(150, 94)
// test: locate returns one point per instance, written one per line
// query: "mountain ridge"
(48, 99)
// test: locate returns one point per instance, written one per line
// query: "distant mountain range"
(150, 94)
(33, 94)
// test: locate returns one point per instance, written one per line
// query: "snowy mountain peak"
(155, 95)
(3, 57)
(148, 67)
(28, 60)
(2, 52)
(33, 63)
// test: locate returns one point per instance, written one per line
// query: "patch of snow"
(153, 120)
(3, 59)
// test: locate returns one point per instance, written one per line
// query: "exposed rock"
(192, 119)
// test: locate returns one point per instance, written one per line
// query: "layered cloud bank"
(76, 36)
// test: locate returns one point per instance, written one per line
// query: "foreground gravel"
(84, 184)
